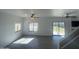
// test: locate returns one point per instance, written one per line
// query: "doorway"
(58, 33)
(59, 29)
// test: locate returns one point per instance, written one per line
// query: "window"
(58, 28)
(33, 27)
(17, 27)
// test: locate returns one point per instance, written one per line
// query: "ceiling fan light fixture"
(32, 18)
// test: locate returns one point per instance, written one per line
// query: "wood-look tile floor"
(39, 42)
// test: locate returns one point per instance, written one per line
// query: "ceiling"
(41, 12)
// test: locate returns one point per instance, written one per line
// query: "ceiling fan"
(34, 16)
(69, 15)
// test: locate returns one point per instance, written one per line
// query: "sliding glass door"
(58, 28)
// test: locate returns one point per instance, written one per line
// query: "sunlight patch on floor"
(23, 41)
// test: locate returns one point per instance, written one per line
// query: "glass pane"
(35, 27)
(55, 28)
(61, 29)
(31, 26)
(19, 27)
(16, 27)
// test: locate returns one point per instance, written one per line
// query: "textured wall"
(7, 29)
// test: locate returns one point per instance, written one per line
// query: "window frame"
(17, 27)
(33, 24)
(58, 24)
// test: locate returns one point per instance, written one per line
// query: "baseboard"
(37, 35)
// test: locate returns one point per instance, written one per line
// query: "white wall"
(45, 26)
(7, 29)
